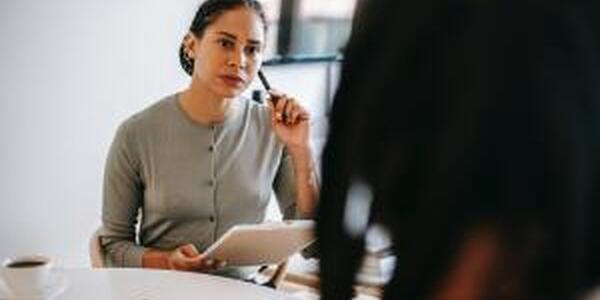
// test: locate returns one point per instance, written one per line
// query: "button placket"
(212, 182)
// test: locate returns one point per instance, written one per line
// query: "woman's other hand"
(187, 258)
(183, 258)
(290, 120)
(291, 123)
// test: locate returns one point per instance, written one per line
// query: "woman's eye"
(252, 50)
(225, 43)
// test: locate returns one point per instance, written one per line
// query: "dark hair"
(482, 113)
(207, 13)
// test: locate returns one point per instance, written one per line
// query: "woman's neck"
(204, 106)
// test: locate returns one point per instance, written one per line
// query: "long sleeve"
(122, 199)
(285, 190)
(285, 187)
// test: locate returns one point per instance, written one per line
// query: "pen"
(267, 87)
(264, 81)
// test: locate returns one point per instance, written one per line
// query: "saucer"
(57, 284)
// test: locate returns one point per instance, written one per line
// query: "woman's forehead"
(241, 23)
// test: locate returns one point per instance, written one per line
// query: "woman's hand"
(290, 121)
(184, 258)
(187, 258)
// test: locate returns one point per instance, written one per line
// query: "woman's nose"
(237, 59)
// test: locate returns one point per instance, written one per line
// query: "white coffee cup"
(27, 276)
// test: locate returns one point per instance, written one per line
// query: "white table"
(144, 284)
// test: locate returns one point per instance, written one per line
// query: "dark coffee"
(25, 264)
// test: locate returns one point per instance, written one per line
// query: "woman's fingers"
(280, 108)
(280, 103)
(290, 108)
(299, 114)
(181, 258)
(189, 250)
(287, 110)
(211, 263)
(208, 264)
(187, 258)
(274, 103)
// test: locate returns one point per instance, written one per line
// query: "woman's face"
(229, 53)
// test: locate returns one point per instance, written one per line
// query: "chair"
(97, 261)
(278, 275)
(96, 255)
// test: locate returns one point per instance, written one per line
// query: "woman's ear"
(189, 42)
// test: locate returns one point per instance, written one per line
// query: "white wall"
(71, 71)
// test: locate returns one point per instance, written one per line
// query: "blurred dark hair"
(462, 115)
(207, 13)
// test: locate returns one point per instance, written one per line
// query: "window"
(308, 27)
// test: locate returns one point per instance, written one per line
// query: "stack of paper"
(378, 262)
(377, 268)
(262, 244)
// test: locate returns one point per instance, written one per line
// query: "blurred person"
(475, 128)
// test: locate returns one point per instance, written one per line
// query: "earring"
(187, 62)
(188, 58)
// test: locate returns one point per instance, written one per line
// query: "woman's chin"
(228, 92)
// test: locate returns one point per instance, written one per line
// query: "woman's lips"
(232, 80)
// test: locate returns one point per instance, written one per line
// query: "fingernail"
(222, 264)
(209, 262)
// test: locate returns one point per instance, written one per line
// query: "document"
(262, 244)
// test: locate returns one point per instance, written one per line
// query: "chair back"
(96, 252)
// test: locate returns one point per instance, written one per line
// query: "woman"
(475, 126)
(200, 161)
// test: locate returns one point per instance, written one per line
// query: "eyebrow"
(232, 36)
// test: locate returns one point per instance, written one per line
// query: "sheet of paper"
(262, 244)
